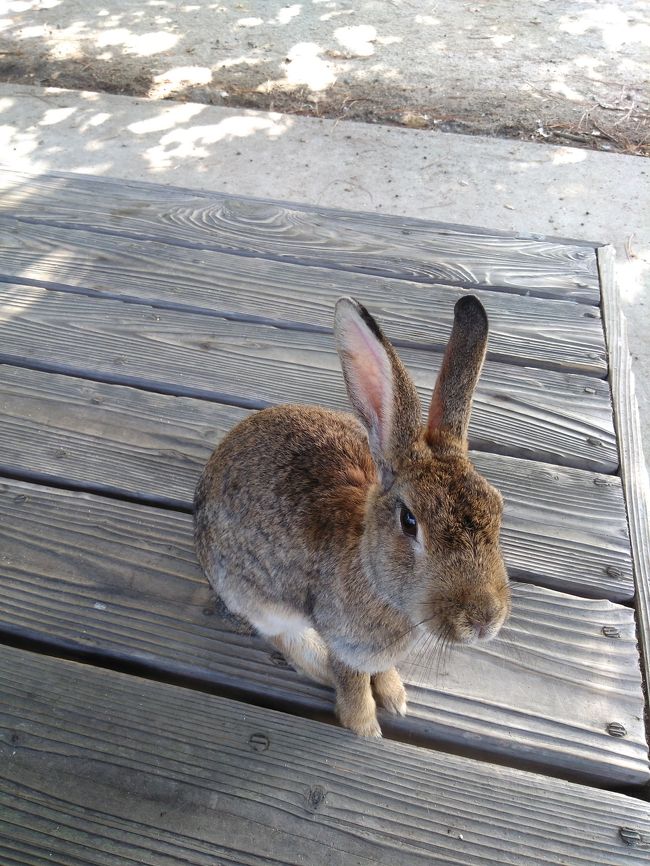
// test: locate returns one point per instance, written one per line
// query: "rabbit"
(342, 540)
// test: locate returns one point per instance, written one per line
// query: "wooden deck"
(138, 325)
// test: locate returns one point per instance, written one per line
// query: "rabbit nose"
(481, 629)
(484, 620)
(480, 626)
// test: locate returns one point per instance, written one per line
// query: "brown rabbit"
(341, 543)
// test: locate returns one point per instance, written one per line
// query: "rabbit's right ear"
(451, 403)
(380, 389)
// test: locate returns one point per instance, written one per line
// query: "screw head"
(630, 836)
(259, 742)
(278, 660)
(616, 729)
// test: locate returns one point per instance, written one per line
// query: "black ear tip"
(348, 305)
(370, 322)
(470, 312)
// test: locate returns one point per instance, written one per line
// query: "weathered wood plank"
(628, 425)
(537, 414)
(553, 334)
(86, 573)
(370, 243)
(563, 528)
(103, 768)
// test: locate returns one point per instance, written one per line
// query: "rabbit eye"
(408, 522)
(469, 524)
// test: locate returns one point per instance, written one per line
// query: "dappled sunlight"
(358, 40)
(563, 89)
(305, 66)
(168, 118)
(57, 115)
(285, 14)
(197, 142)
(249, 22)
(175, 79)
(568, 156)
(552, 70)
(615, 26)
(165, 135)
(633, 277)
(144, 45)
(14, 302)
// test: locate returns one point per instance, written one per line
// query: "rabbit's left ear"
(380, 389)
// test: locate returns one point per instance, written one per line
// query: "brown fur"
(297, 521)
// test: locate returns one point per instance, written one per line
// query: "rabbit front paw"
(389, 691)
(360, 718)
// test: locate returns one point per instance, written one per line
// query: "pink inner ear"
(370, 378)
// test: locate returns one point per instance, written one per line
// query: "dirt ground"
(561, 71)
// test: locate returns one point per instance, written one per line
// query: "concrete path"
(573, 71)
(480, 181)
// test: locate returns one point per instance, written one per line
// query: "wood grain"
(563, 528)
(537, 414)
(628, 425)
(370, 243)
(103, 768)
(553, 334)
(119, 580)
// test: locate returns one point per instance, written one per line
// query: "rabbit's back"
(283, 492)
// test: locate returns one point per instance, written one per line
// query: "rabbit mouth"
(467, 625)
(477, 627)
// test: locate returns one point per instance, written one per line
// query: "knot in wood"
(315, 797)
(610, 631)
(616, 729)
(259, 742)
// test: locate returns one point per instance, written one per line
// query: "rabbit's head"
(430, 544)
